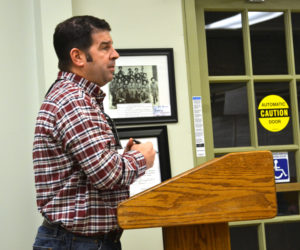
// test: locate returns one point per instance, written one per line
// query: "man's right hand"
(147, 150)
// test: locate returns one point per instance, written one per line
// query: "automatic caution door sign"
(273, 113)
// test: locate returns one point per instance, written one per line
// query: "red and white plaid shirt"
(79, 176)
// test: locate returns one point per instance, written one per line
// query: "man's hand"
(146, 149)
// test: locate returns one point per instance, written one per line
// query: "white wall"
(19, 105)
(25, 30)
(48, 13)
(29, 66)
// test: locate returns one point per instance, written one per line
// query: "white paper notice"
(198, 126)
(152, 176)
(135, 110)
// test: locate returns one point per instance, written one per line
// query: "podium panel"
(195, 237)
(194, 208)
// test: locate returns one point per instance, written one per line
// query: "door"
(244, 62)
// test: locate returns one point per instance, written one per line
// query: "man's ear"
(78, 57)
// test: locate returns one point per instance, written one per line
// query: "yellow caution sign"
(273, 113)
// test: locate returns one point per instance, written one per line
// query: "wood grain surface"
(237, 186)
(195, 237)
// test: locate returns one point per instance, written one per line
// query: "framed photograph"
(143, 88)
(161, 170)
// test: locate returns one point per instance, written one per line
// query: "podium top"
(237, 186)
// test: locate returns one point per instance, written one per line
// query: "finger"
(129, 145)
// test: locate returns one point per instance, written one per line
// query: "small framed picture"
(161, 170)
(143, 88)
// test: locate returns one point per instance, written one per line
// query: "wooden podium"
(194, 208)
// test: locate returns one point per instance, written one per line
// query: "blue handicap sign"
(281, 168)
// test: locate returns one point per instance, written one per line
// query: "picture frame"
(143, 88)
(161, 169)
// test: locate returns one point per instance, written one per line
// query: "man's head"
(84, 46)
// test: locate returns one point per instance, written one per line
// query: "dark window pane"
(292, 167)
(296, 39)
(287, 203)
(244, 238)
(229, 105)
(224, 44)
(283, 236)
(268, 45)
(266, 137)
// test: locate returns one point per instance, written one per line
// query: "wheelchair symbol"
(278, 170)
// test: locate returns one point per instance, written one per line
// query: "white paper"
(152, 176)
(198, 126)
(135, 110)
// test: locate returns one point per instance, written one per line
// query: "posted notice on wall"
(281, 167)
(198, 126)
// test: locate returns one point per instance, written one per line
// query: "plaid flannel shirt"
(79, 176)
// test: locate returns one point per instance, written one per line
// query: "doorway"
(240, 53)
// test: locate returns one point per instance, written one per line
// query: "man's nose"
(115, 54)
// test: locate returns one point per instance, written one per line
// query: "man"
(79, 176)
(154, 90)
(120, 73)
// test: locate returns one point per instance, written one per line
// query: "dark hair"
(75, 32)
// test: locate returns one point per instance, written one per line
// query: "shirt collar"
(90, 87)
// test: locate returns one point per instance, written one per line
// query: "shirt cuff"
(141, 162)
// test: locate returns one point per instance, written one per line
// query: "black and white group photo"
(134, 84)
